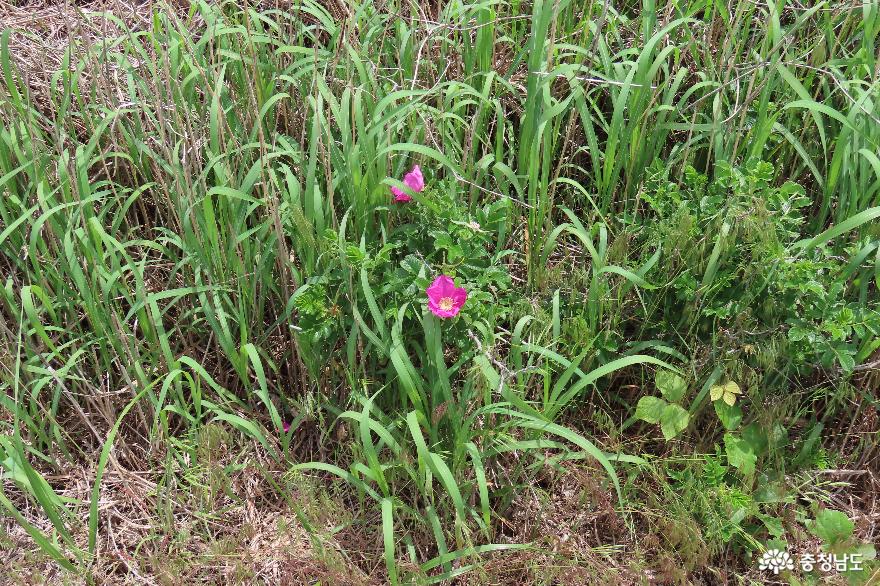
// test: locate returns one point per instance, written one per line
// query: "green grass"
(197, 233)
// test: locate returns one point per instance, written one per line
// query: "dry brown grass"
(42, 31)
(220, 520)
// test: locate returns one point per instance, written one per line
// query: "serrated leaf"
(756, 437)
(354, 255)
(650, 409)
(740, 454)
(867, 551)
(832, 526)
(847, 362)
(454, 252)
(411, 264)
(773, 525)
(730, 415)
(673, 421)
(671, 385)
(796, 334)
(442, 239)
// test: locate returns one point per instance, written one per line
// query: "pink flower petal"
(414, 179)
(440, 287)
(444, 298)
(444, 313)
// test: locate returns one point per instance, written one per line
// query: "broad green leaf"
(671, 385)
(673, 421)
(740, 454)
(730, 415)
(773, 525)
(832, 527)
(650, 409)
(756, 437)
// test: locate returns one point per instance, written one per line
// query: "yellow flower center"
(446, 303)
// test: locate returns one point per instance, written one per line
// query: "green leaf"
(756, 437)
(839, 229)
(866, 552)
(671, 385)
(583, 443)
(388, 539)
(832, 527)
(797, 333)
(673, 421)
(739, 454)
(263, 391)
(482, 485)
(773, 525)
(354, 255)
(468, 551)
(730, 415)
(847, 362)
(650, 409)
(46, 545)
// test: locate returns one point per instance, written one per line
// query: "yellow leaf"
(716, 392)
(732, 387)
(729, 398)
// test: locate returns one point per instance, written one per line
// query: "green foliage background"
(196, 227)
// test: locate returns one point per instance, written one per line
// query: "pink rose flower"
(414, 180)
(444, 298)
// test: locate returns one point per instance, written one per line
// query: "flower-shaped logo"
(775, 560)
